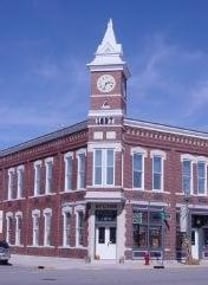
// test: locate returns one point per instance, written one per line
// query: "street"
(12, 275)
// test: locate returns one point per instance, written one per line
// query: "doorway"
(106, 242)
(195, 243)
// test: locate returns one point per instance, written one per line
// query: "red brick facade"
(108, 140)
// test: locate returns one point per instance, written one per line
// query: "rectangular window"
(147, 229)
(157, 172)
(201, 178)
(36, 229)
(37, 179)
(66, 229)
(138, 172)
(98, 166)
(11, 184)
(47, 230)
(18, 230)
(80, 229)
(9, 224)
(110, 167)
(187, 176)
(68, 173)
(104, 167)
(20, 182)
(49, 177)
(101, 235)
(81, 170)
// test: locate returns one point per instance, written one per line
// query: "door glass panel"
(193, 237)
(113, 235)
(101, 235)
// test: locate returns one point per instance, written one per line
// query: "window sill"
(72, 191)
(66, 247)
(42, 195)
(80, 247)
(16, 199)
(42, 246)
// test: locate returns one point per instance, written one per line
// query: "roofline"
(165, 128)
(45, 138)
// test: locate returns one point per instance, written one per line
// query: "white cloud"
(169, 83)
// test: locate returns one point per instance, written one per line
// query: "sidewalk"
(52, 263)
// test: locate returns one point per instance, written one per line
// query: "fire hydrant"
(146, 258)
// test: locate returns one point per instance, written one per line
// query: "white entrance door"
(195, 243)
(106, 242)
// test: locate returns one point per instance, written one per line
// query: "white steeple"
(109, 54)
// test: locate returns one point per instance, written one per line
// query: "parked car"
(4, 252)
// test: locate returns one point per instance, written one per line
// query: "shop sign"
(106, 206)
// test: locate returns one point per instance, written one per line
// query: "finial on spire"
(110, 23)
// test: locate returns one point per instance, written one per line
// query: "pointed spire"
(109, 43)
(109, 54)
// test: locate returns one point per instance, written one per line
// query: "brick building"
(109, 187)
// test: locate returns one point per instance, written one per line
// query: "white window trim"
(66, 156)
(8, 216)
(104, 168)
(162, 155)
(47, 212)
(11, 171)
(18, 216)
(78, 209)
(65, 210)
(205, 161)
(192, 159)
(20, 170)
(47, 161)
(78, 153)
(35, 215)
(36, 163)
(187, 156)
(143, 152)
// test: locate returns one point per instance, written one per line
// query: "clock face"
(106, 83)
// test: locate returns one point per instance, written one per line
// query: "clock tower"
(105, 149)
(109, 74)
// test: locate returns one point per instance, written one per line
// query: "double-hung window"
(81, 156)
(138, 170)
(187, 176)
(18, 228)
(138, 167)
(68, 159)
(49, 176)
(157, 173)
(201, 178)
(9, 227)
(37, 178)
(80, 228)
(158, 157)
(104, 167)
(67, 213)
(11, 184)
(20, 181)
(47, 226)
(36, 227)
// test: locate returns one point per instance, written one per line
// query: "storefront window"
(205, 237)
(147, 229)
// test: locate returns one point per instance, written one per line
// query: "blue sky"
(46, 44)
